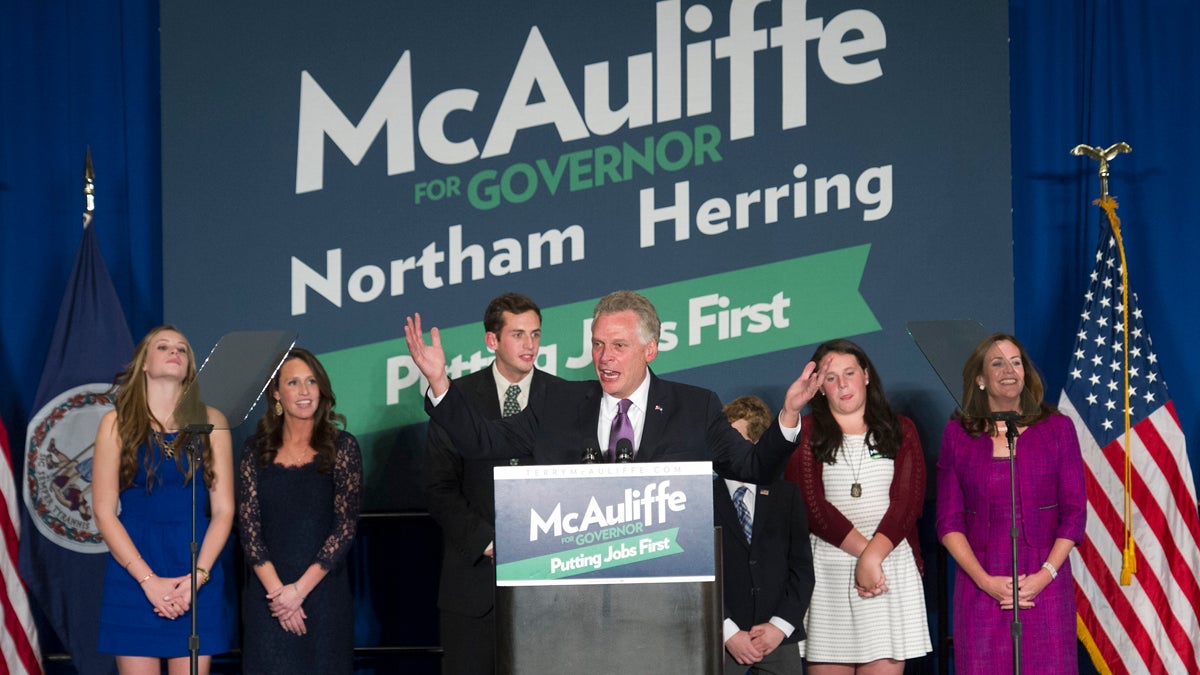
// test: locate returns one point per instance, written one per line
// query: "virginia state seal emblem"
(58, 467)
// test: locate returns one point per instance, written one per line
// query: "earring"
(278, 408)
(981, 387)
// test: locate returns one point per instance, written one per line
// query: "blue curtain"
(74, 75)
(1098, 72)
(1082, 71)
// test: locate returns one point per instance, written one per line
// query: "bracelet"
(131, 561)
(144, 579)
(1050, 568)
(202, 572)
(296, 588)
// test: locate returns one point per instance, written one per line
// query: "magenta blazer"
(1050, 484)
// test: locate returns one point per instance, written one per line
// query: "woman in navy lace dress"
(298, 502)
(142, 472)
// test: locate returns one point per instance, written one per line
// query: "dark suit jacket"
(683, 423)
(772, 575)
(462, 500)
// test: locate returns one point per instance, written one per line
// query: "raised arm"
(800, 393)
(430, 358)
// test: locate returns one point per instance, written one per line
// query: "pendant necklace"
(856, 487)
(160, 438)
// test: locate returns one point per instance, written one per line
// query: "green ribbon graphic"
(628, 551)
(707, 320)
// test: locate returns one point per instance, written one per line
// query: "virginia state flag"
(62, 555)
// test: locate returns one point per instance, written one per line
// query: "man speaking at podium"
(661, 421)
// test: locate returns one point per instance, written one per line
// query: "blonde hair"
(137, 425)
(754, 410)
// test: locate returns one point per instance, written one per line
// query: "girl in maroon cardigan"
(862, 472)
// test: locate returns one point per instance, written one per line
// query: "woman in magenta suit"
(974, 515)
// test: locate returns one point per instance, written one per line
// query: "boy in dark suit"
(768, 575)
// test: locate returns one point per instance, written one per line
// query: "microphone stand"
(1010, 420)
(195, 434)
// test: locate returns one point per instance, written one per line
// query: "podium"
(607, 568)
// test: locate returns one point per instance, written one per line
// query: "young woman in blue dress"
(142, 481)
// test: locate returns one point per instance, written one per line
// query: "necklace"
(160, 438)
(856, 486)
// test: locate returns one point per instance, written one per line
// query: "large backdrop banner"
(771, 174)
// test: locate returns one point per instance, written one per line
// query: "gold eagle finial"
(1102, 155)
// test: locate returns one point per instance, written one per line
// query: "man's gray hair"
(649, 326)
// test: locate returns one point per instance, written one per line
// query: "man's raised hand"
(430, 358)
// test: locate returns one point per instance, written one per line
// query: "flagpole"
(1109, 204)
(89, 189)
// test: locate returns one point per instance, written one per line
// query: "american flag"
(1146, 622)
(18, 636)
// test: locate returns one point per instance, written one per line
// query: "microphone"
(591, 455)
(1010, 423)
(624, 451)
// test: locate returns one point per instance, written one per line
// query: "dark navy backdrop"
(927, 125)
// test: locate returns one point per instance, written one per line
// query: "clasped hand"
(749, 647)
(286, 605)
(171, 597)
(1028, 588)
(869, 579)
(872, 589)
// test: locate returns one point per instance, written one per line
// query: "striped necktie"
(743, 513)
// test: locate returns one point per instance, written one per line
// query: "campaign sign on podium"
(607, 568)
(604, 524)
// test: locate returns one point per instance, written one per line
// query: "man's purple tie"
(621, 428)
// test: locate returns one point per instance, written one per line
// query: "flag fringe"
(1089, 643)
(1129, 554)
